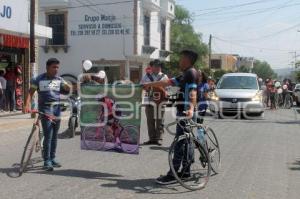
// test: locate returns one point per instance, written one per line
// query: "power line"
(236, 5)
(254, 47)
(237, 17)
(271, 35)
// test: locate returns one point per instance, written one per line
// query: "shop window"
(57, 23)
(147, 30)
(163, 36)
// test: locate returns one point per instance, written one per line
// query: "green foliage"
(219, 73)
(244, 69)
(183, 36)
(263, 70)
(298, 76)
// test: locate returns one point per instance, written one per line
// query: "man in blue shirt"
(49, 86)
(187, 104)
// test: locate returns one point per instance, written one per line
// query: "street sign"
(14, 16)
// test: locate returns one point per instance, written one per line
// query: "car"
(297, 94)
(237, 93)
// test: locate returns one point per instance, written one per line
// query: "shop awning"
(41, 32)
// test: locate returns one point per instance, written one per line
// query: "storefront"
(13, 54)
(14, 48)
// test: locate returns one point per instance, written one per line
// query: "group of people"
(192, 96)
(8, 89)
(271, 88)
(156, 96)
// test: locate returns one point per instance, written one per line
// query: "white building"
(119, 36)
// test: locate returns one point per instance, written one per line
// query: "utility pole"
(32, 45)
(295, 57)
(209, 52)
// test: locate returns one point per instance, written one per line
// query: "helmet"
(277, 84)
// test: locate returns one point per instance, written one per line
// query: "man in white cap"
(100, 77)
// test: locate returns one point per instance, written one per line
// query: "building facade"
(120, 37)
(225, 62)
(14, 43)
(245, 62)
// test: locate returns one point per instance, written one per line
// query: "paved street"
(260, 159)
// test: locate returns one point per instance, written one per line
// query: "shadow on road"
(78, 174)
(144, 186)
(295, 166)
(66, 134)
(160, 148)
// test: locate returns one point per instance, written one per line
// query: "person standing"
(10, 92)
(49, 86)
(154, 109)
(2, 94)
(203, 89)
(187, 105)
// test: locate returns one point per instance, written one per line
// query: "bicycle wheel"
(288, 102)
(93, 138)
(213, 150)
(129, 138)
(29, 148)
(192, 159)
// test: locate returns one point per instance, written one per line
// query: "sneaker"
(184, 176)
(158, 143)
(56, 164)
(48, 166)
(165, 180)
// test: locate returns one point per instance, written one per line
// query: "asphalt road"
(260, 159)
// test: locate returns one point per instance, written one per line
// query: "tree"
(263, 70)
(219, 73)
(244, 69)
(297, 76)
(183, 36)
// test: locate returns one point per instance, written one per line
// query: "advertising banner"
(110, 117)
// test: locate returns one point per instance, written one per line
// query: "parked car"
(238, 93)
(297, 94)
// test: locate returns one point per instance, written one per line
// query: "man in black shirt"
(187, 103)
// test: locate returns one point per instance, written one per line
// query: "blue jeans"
(50, 138)
(181, 152)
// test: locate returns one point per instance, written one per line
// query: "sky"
(264, 29)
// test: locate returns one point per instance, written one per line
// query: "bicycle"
(103, 137)
(34, 141)
(288, 100)
(194, 152)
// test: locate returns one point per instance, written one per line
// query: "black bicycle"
(198, 158)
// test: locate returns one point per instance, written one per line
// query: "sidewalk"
(21, 120)
(7, 113)
(14, 121)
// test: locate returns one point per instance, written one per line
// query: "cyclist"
(187, 101)
(49, 86)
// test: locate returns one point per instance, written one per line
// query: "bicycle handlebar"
(50, 117)
(188, 123)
